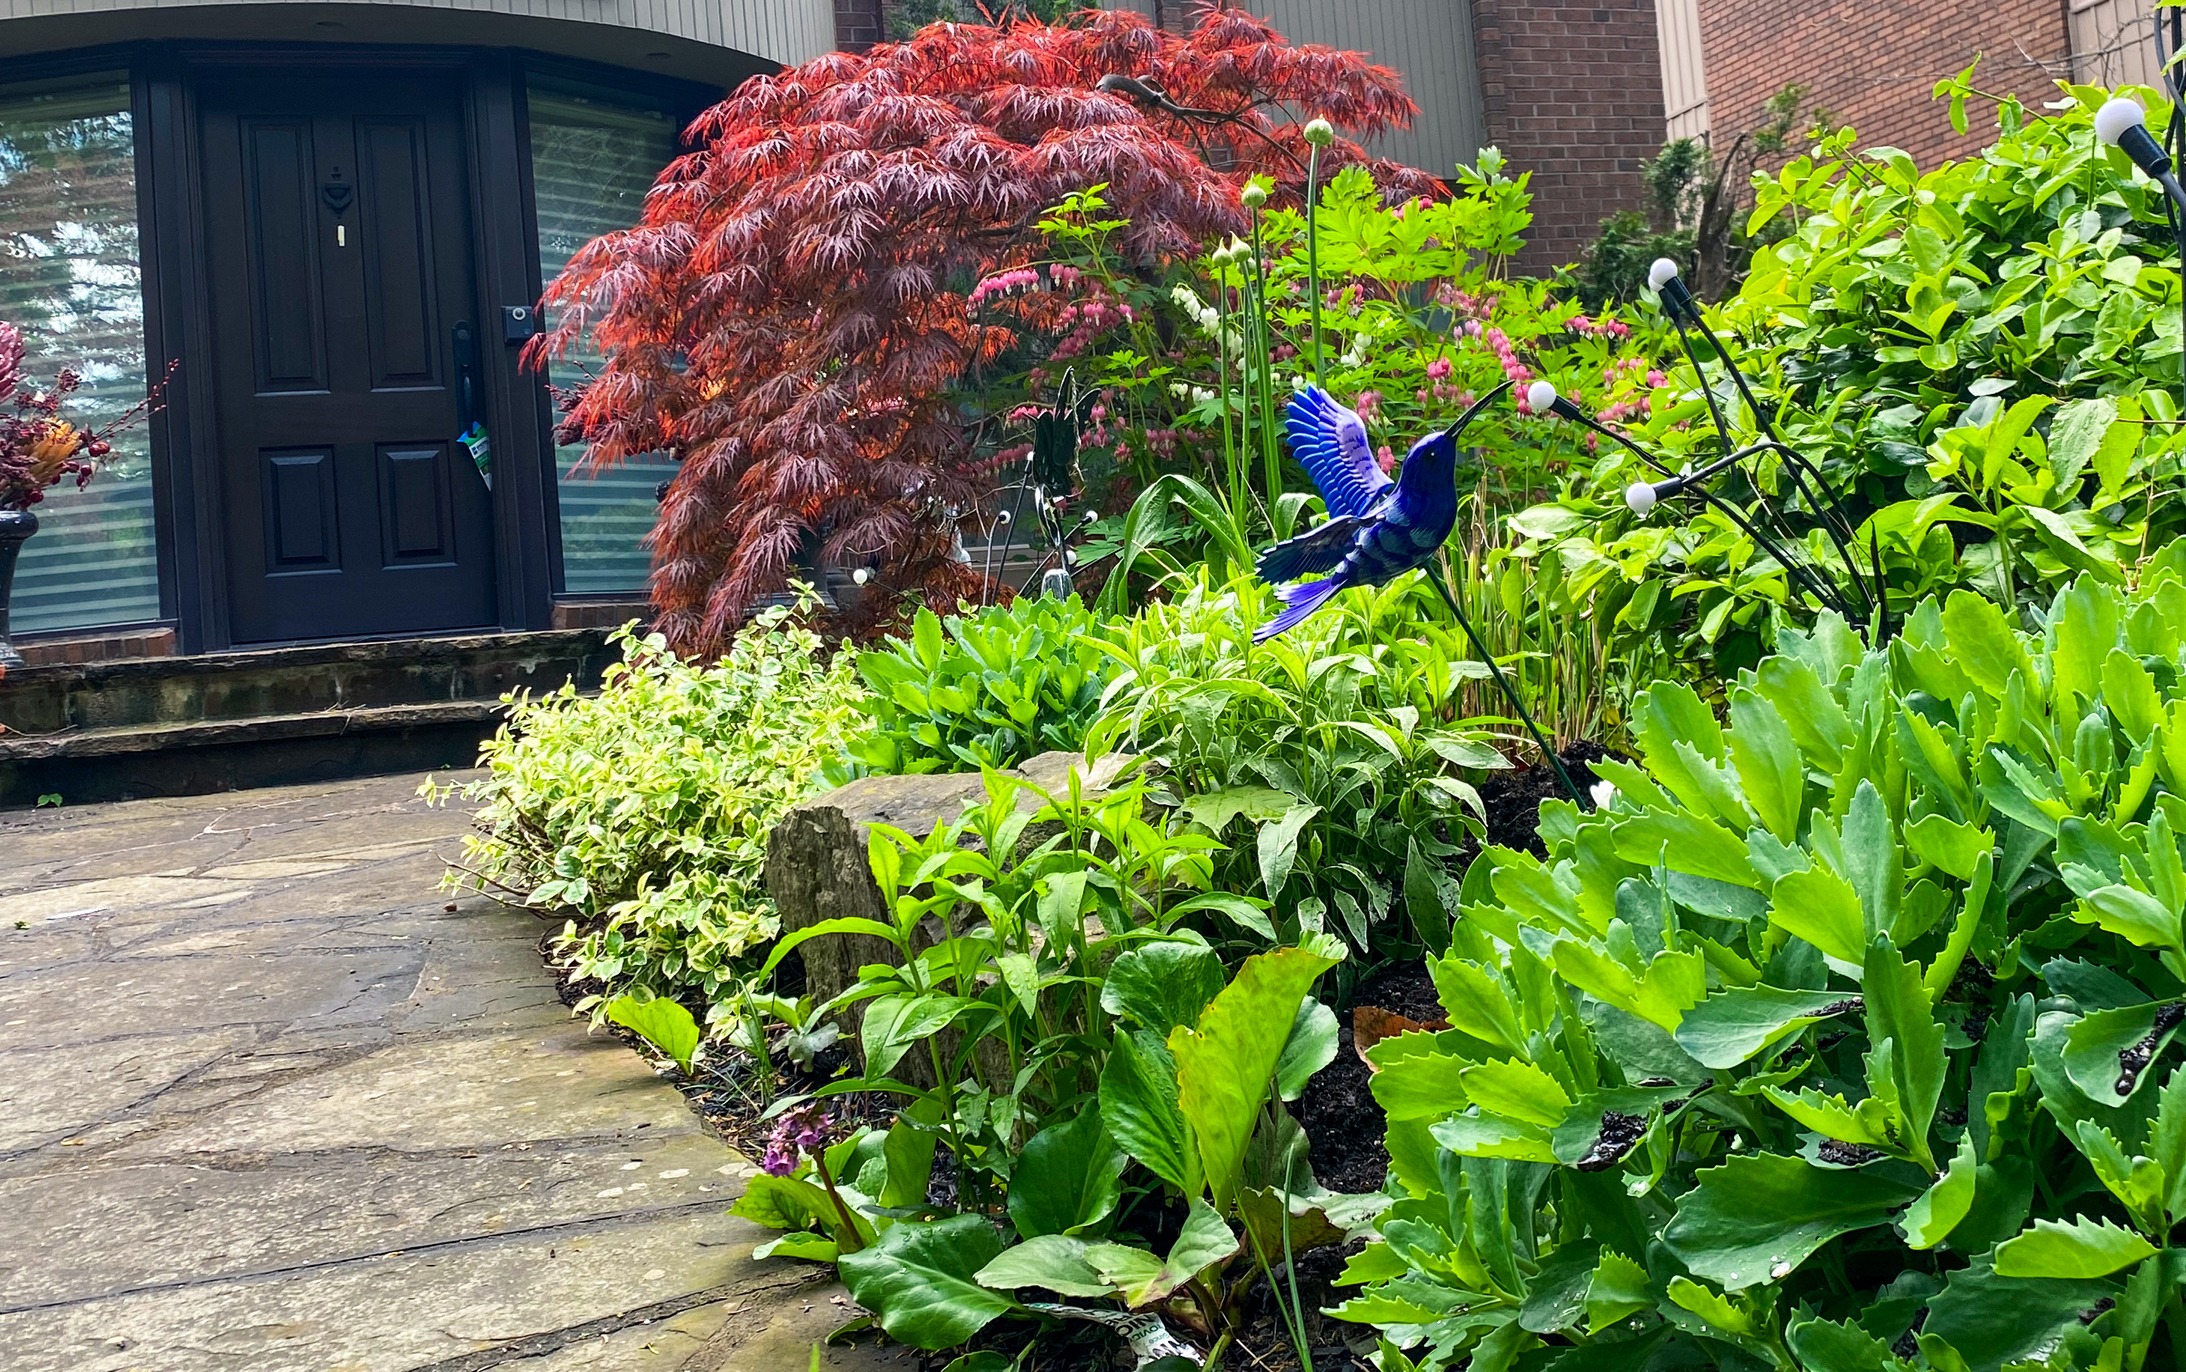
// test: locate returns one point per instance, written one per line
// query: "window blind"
(69, 280)
(592, 161)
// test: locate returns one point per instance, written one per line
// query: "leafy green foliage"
(1340, 749)
(985, 689)
(1982, 357)
(644, 810)
(1857, 1003)
(662, 1022)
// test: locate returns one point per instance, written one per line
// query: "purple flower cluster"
(803, 1130)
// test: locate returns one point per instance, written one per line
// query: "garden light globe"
(1540, 397)
(1661, 274)
(1639, 498)
(2118, 114)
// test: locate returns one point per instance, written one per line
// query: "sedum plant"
(643, 811)
(1838, 1038)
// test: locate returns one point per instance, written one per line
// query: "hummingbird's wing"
(1316, 550)
(1330, 442)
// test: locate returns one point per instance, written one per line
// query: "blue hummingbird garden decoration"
(1377, 528)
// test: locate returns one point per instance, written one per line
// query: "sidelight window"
(592, 161)
(69, 280)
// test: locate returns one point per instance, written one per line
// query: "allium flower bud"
(1320, 133)
(1253, 196)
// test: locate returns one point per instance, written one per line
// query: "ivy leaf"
(2077, 1249)
(1732, 1026)
(921, 1280)
(1758, 1216)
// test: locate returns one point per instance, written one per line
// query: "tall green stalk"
(1313, 239)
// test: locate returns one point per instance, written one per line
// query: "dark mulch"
(1343, 1122)
(1513, 799)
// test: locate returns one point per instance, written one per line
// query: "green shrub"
(1984, 358)
(644, 810)
(1857, 1006)
(987, 689)
(1340, 748)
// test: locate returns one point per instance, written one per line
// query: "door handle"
(466, 369)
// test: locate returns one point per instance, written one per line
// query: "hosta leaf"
(2078, 1249)
(921, 1280)
(1732, 1026)
(1761, 1213)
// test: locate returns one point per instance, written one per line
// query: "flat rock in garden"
(266, 1104)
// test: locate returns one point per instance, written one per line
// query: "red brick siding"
(858, 24)
(1872, 65)
(1573, 94)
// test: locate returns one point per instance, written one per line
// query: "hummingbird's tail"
(1300, 600)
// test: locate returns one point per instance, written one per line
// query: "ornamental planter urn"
(15, 526)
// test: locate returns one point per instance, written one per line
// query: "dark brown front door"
(340, 274)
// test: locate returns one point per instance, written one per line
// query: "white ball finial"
(1540, 397)
(1661, 274)
(1639, 498)
(2116, 116)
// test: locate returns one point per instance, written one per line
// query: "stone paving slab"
(266, 1104)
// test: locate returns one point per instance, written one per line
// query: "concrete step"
(129, 728)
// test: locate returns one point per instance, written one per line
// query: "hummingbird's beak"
(1473, 411)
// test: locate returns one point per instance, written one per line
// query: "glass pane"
(69, 281)
(592, 161)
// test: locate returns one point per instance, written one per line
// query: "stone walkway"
(266, 1104)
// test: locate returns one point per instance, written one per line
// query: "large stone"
(817, 868)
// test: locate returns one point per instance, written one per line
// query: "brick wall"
(1872, 65)
(1573, 94)
(858, 24)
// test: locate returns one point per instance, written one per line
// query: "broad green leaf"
(1993, 1322)
(894, 1024)
(784, 1203)
(2132, 915)
(1056, 1262)
(1066, 1180)
(1898, 1012)
(1159, 986)
(1618, 1288)
(1517, 1091)
(1930, 1220)
(1477, 1001)
(1143, 1278)
(2167, 1141)
(1758, 1213)
(1226, 1063)
(1826, 1346)
(921, 1280)
(2107, 1053)
(1278, 847)
(1711, 1306)
(1556, 1297)
(1768, 762)
(1822, 908)
(1216, 809)
(1732, 1026)
(1312, 1044)
(1139, 1110)
(2077, 1249)
(1982, 642)
(1686, 843)
(660, 1021)
(1948, 844)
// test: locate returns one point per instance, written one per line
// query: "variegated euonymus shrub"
(1839, 1038)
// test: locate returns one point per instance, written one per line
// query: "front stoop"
(165, 726)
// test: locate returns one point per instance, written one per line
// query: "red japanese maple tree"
(790, 316)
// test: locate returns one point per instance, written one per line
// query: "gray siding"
(1430, 41)
(779, 30)
(1684, 79)
(2112, 44)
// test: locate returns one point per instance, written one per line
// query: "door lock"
(519, 323)
(337, 194)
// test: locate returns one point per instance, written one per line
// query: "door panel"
(340, 263)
